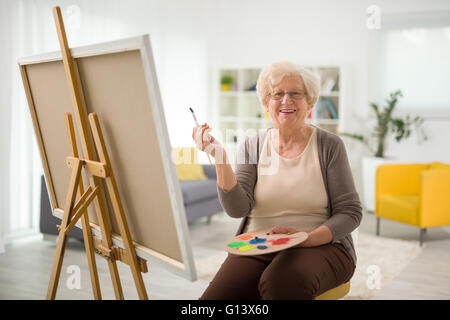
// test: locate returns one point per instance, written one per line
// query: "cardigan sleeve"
(346, 209)
(239, 201)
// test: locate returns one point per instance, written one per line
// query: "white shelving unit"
(327, 112)
(237, 109)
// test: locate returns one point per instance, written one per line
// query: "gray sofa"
(199, 196)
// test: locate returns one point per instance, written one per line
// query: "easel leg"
(90, 253)
(100, 208)
(112, 265)
(62, 237)
(57, 264)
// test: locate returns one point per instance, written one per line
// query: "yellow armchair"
(416, 194)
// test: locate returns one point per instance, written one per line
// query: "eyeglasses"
(295, 95)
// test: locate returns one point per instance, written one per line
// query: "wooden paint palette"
(262, 242)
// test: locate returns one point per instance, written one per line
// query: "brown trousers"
(295, 273)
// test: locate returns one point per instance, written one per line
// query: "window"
(414, 56)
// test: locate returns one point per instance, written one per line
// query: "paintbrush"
(196, 122)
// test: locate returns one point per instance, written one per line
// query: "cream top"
(289, 192)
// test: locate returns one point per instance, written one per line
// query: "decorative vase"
(226, 87)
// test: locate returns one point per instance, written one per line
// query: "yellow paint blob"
(246, 248)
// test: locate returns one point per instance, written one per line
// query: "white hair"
(272, 74)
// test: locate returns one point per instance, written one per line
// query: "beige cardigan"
(344, 205)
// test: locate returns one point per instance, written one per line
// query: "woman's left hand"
(319, 236)
(284, 230)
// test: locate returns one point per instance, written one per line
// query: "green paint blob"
(236, 244)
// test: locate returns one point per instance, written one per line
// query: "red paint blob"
(280, 241)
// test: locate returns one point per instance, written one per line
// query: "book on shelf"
(331, 109)
(328, 85)
(320, 109)
(325, 109)
(252, 87)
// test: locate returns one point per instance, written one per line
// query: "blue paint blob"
(262, 247)
(257, 240)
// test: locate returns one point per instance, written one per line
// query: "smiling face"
(287, 103)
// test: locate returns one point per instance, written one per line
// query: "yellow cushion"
(186, 163)
(439, 165)
(399, 178)
(435, 200)
(401, 208)
(335, 293)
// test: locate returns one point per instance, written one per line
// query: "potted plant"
(226, 81)
(386, 124)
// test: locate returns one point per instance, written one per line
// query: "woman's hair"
(272, 74)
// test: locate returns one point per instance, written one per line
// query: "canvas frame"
(142, 44)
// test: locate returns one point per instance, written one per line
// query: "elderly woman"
(293, 177)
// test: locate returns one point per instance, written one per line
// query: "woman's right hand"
(204, 141)
(226, 179)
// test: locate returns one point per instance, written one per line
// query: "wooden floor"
(25, 267)
(428, 275)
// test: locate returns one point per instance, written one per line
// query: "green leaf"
(375, 108)
(358, 137)
(352, 135)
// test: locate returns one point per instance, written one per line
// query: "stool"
(335, 293)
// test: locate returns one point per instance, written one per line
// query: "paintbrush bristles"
(195, 118)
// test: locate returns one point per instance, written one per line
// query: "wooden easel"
(95, 170)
